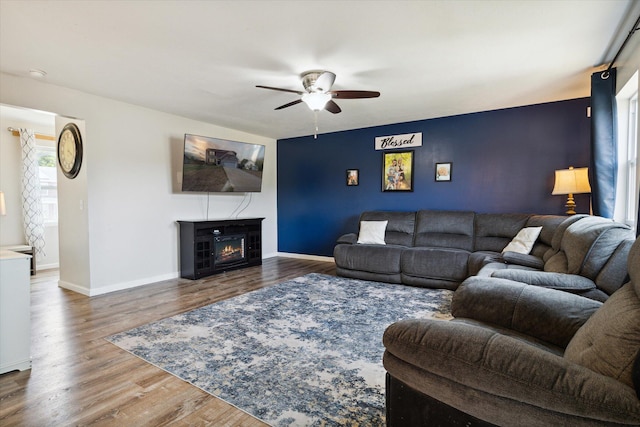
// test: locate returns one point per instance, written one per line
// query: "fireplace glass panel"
(229, 249)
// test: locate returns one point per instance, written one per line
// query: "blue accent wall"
(503, 161)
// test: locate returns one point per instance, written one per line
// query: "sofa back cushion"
(556, 240)
(613, 274)
(549, 223)
(495, 231)
(400, 225)
(445, 229)
(596, 248)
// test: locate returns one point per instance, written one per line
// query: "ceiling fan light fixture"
(316, 100)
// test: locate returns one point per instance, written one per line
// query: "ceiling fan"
(318, 94)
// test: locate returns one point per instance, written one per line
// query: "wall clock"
(70, 150)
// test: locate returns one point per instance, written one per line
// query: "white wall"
(133, 156)
(11, 226)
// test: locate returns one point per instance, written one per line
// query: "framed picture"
(397, 171)
(352, 177)
(443, 171)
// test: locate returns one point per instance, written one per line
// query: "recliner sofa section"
(440, 249)
(517, 354)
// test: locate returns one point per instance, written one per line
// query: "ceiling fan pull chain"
(315, 115)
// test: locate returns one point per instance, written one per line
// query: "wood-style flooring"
(78, 378)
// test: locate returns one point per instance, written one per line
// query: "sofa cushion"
(523, 241)
(615, 325)
(495, 231)
(445, 229)
(400, 226)
(546, 314)
(372, 232)
(371, 258)
(435, 263)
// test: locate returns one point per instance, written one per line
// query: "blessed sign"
(399, 141)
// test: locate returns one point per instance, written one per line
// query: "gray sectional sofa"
(439, 249)
(545, 331)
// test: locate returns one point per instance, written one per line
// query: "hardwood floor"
(78, 378)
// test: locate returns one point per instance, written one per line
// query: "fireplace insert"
(229, 250)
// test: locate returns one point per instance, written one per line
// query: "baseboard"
(141, 282)
(305, 256)
(51, 266)
(73, 287)
(22, 365)
(132, 284)
(118, 286)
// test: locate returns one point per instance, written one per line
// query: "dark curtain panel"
(604, 142)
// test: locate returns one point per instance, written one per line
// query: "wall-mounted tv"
(215, 165)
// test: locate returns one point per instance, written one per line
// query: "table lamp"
(571, 181)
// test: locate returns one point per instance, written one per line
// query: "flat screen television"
(215, 165)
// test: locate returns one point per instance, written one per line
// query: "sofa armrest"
(349, 238)
(526, 260)
(560, 281)
(451, 361)
(546, 314)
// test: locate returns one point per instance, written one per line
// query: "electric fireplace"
(229, 250)
(215, 246)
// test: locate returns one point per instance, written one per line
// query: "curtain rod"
(633, 30)
(16, 132)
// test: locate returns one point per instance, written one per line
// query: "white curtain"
(32, 217)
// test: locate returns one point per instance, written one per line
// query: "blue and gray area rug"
(306, 352)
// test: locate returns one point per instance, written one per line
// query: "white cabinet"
(15, 312)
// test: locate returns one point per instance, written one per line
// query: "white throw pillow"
(524, 240)
(372, 232)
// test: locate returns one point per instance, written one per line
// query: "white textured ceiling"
(202, 59)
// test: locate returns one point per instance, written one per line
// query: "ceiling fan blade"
(354, 94)
(297, 101)
(280, 89)
(332, 107)
(324, 81)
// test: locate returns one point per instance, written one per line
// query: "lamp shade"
(572, 181)
(3, 207)
(316, 100)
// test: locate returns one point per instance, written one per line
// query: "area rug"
(306, 352)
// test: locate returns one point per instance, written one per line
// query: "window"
(632, 162)
(628, 173)
(48, 183)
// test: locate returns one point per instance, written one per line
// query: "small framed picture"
(397, 171)
(443, 171)
(352, 177)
